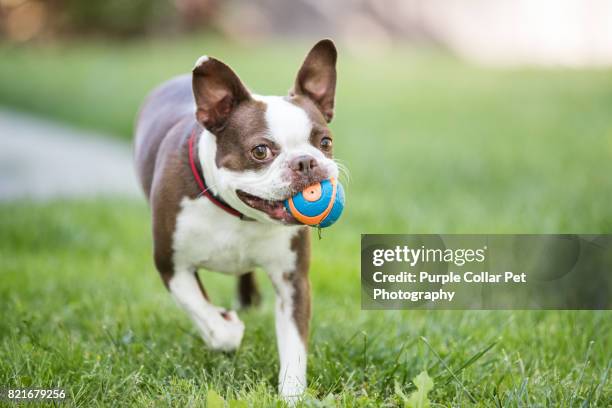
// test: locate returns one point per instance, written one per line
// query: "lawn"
(433, 145)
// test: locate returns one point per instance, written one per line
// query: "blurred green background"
(434, 144)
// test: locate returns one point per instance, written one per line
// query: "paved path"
(40, 159)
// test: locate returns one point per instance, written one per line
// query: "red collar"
(202, 184)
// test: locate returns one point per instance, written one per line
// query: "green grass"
(83, 309)
(434, 146)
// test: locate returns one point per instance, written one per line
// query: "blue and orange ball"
(318, 205)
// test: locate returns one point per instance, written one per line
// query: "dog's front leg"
(292, 320)
(220, 329)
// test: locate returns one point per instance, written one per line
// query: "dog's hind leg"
(220, 329)
(248, 291)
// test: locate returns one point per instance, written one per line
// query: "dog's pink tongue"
(280, 213)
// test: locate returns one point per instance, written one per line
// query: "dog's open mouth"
(275, 209)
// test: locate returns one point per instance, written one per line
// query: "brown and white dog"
(216, 163)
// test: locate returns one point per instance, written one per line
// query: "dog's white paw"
(225, 331)
(291, 391)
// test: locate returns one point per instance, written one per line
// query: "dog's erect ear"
(316, 79)
(217, 90)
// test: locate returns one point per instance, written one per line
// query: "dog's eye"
(261, 152)
(326, 143)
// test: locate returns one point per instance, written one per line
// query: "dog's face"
(268, 148)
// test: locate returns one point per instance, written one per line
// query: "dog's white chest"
(206, 237)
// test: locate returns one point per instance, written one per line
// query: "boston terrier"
(216, 163)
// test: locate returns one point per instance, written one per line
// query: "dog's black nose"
(303, 164)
